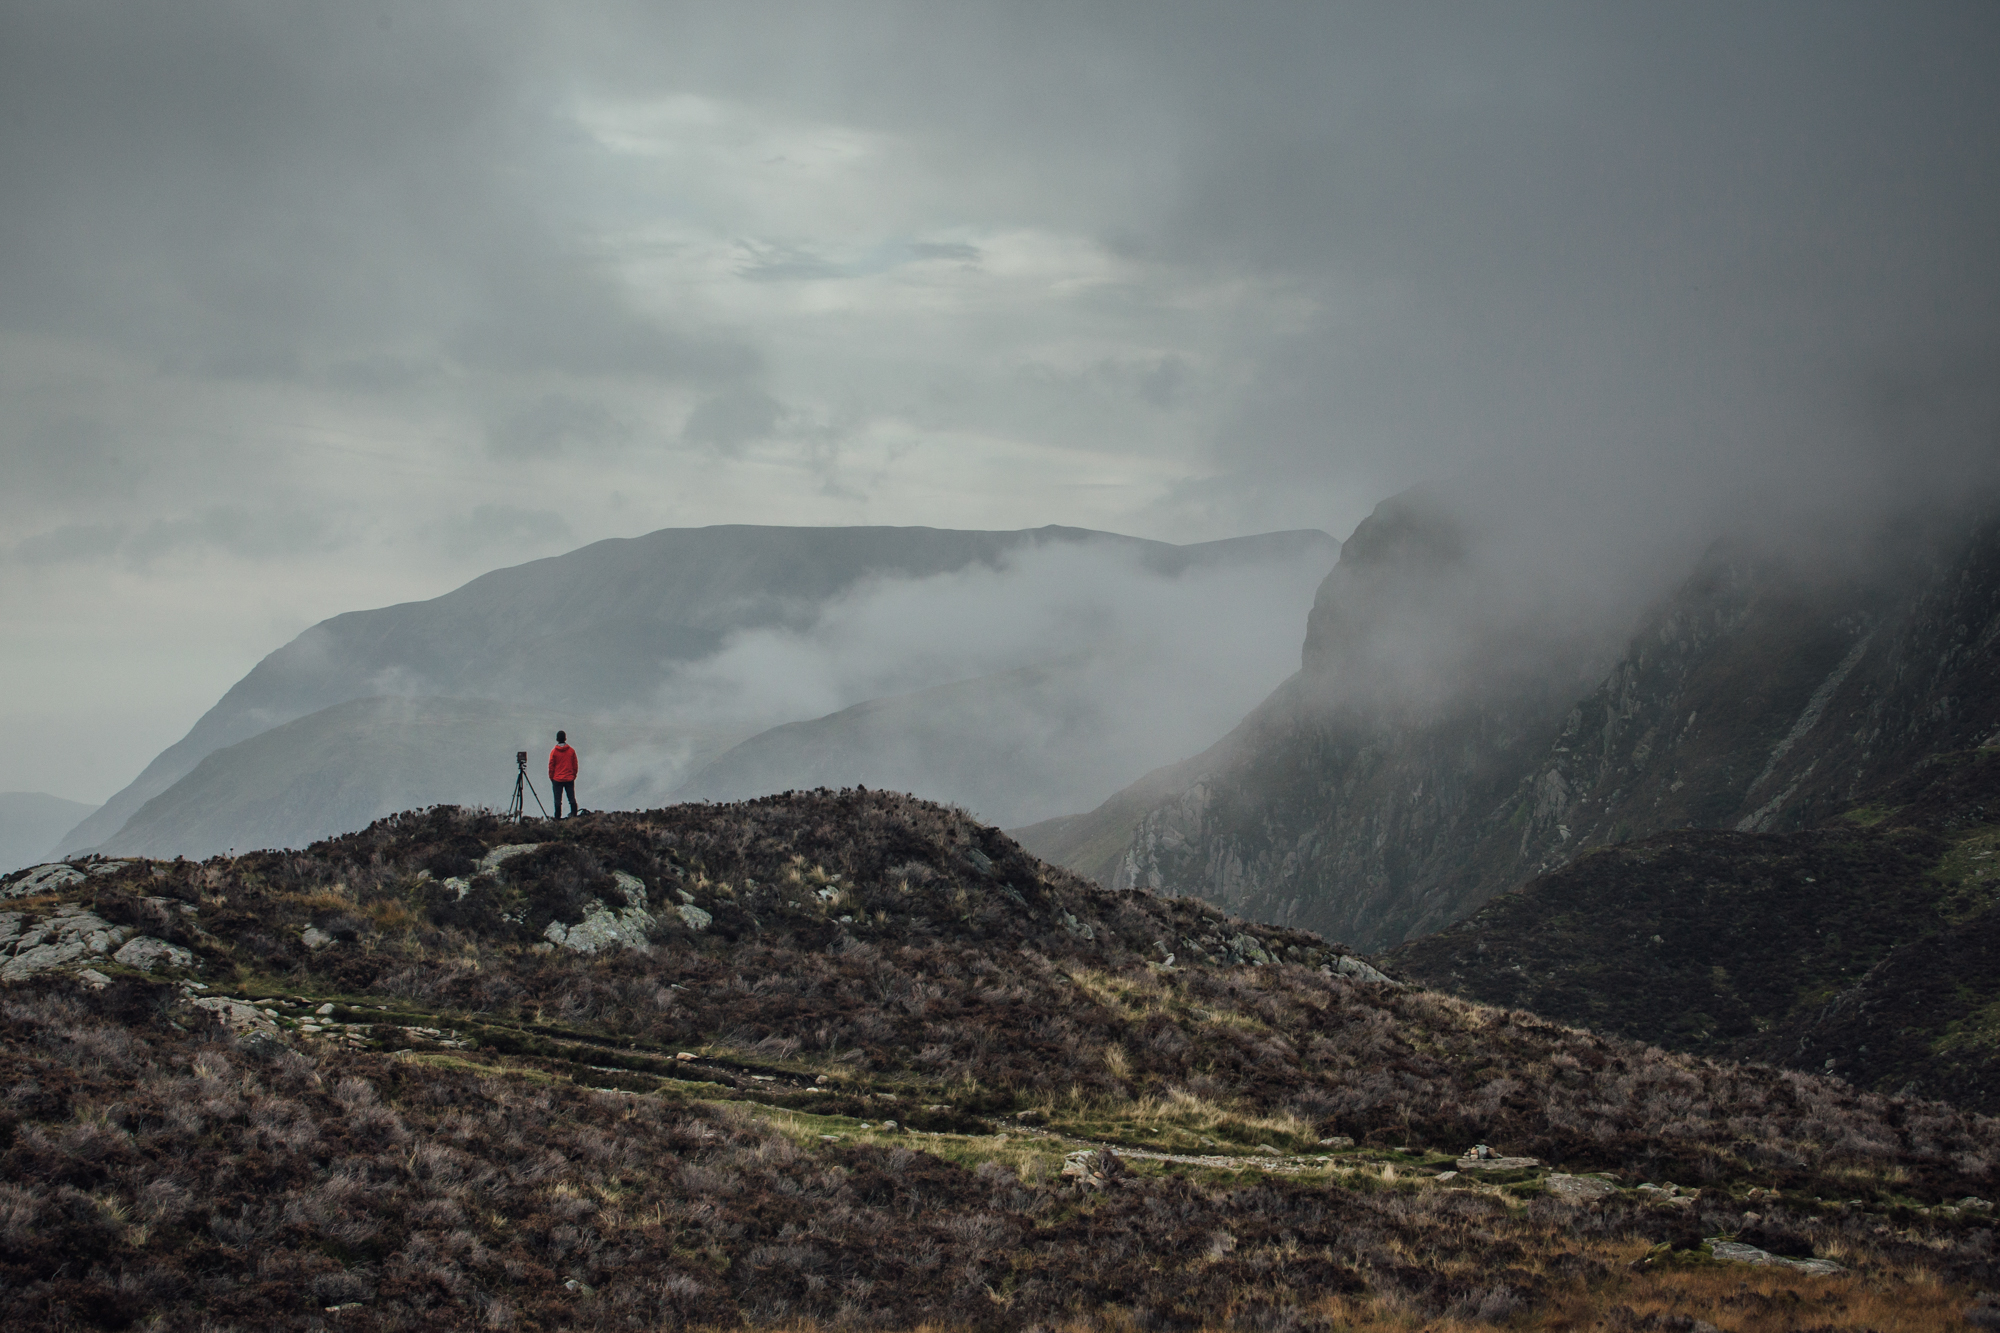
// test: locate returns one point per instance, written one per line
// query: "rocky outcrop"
(602, 928)
(69, 936)
(1578, 1189)
(146, 953)
(1736, 1252)
(58, 875)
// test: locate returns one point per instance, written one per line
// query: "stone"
(1483, 1158)
(146, 953)
(1736, 1252)
(694, 918)
(1447, 1175)
(235, 1014)
(314, 938)
(324, 1010)
(1579, 1189)
(1246, 947)
(686, 1055)
(602, 928)
(70, 935)
(1268, 1150)
(493, 860)
(44, 879)
(94, 979)
(1337, 1141)
(1347, 965)
(1094, 1167)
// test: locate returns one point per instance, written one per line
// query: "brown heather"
(161, 1173)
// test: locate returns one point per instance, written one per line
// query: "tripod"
(521, 785)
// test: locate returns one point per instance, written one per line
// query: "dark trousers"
(557, 789)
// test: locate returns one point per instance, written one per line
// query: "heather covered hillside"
(854, 1059)
(1865, 948)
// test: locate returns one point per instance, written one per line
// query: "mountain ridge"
(1757, 695)
(593, 630)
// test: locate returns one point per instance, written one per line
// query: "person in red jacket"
(562, 773)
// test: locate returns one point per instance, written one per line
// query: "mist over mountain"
(1450, 736)
(31, 822)
(658, 652)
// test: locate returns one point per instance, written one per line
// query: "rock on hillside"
(1760, 696)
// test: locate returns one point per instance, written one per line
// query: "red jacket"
(562, 764)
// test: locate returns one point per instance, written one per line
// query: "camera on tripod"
(522, 787)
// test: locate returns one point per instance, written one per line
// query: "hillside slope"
(849, 1057)
(1865, 948)
(1762, 695)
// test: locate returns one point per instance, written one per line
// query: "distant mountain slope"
(1866, 949)
(31, 822)
(341, 767)
(603, 628)
(1761, 695)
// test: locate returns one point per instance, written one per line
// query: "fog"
(312, 308)
(1224, 635)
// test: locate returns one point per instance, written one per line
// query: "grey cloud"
(514, 529)
(556, 423)
(784, 263)
(1628, 274)
(230, 530)
(957, 251)
(728, 421)
(247, 191)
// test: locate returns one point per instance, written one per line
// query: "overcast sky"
(305, 308)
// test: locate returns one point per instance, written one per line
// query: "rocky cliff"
(1432, 752)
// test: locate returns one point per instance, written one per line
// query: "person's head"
(562, 738)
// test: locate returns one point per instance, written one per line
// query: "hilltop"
(852, 1058)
